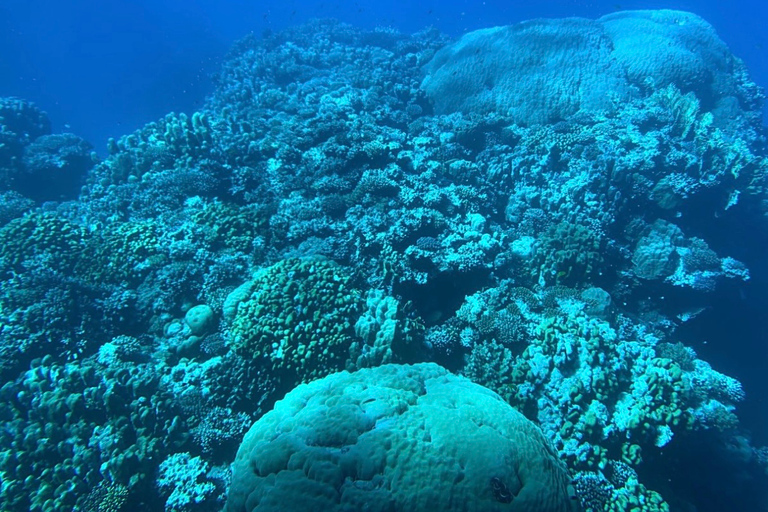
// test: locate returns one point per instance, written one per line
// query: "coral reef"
(354, 432)
(329, 208)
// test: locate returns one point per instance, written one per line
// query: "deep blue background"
(104, 68)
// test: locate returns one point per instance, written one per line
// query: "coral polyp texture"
(397, 438)
(555, 211)
(297, 317)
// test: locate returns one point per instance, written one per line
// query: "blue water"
(106, 68)
(209, 209)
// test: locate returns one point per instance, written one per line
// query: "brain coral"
(396, 438)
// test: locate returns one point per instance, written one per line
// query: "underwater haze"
(356, 256)
(105, 68)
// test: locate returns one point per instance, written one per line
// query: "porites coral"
(396, 438)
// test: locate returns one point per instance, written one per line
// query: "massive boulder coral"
(297, 316)
(305, 318)
(543, 71)
(95, 427)
(21, 122)
(397, 438)
(54, 167)
(35, 163)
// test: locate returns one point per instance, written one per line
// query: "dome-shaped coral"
(396, 438)
(297, 317)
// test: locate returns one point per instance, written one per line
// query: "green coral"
(106, 497)
(123, 252)
(72, 426)
(635, 497)
(232, 227)
(571, 342)
(597, 400)
(599, 389)
(661, 387)
(174, 140)
(113, 253)
(491, 364)
(298, 318)
(43, 237)
(569, 253)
